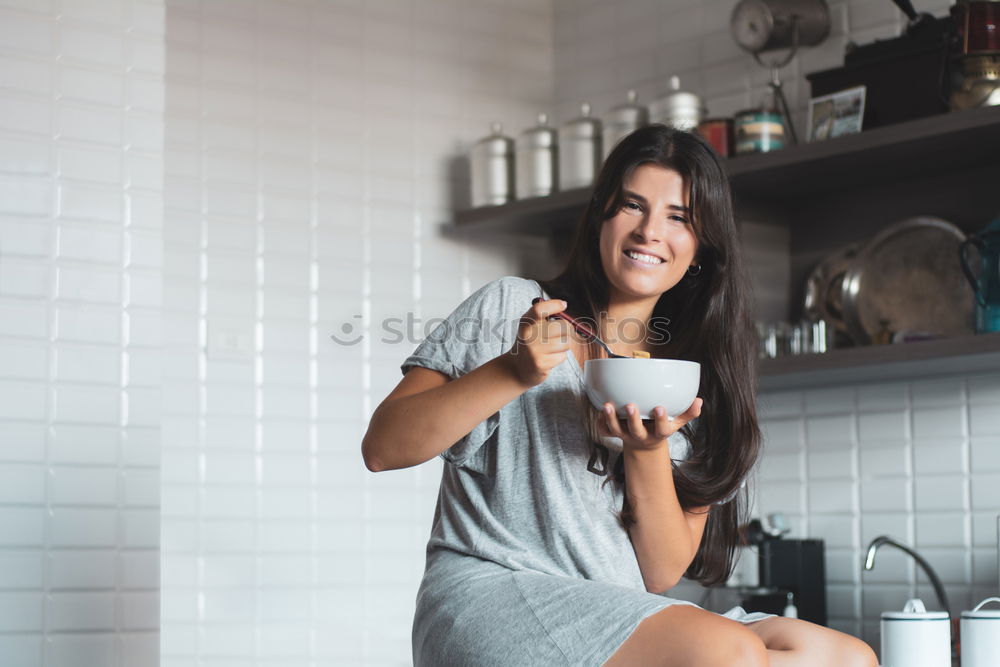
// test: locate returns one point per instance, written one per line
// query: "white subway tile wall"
(867, 473)
(312, 150)
(80, 275)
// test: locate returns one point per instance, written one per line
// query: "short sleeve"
(481, 328)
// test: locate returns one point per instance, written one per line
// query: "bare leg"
(682, 635)
(796, 643)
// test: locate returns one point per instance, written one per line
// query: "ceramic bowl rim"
(672, 361)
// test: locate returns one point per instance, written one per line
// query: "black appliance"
(795, 566)
(906, 77)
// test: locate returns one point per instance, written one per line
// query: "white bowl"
(671, 383)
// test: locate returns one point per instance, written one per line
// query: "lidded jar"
(537, 160)
(579, 150)
(622, 120)
(492, 166)
(915, 637)
(980, 633)
(678, 108)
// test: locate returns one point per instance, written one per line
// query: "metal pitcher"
(986, 282)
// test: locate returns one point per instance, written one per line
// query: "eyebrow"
(643, 200)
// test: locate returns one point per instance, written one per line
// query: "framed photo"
(836, 114)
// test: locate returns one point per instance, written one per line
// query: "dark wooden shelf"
(539, 216)
(961, 355)
(949, 142)
(946, 143)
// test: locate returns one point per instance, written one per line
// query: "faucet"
(928, 570)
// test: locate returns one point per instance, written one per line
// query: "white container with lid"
(579, 150)
(980, 633)
(537, 160)
(492, 166)
(916, 637)
(678, 108)
(622, 120)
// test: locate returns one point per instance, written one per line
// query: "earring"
(694, 270)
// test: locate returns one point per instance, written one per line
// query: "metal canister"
(492, 163)
(759, 131)
(537, 161)
(980, 632)
(678, 108)
(579, 150)
(719, 133)
(622, 120)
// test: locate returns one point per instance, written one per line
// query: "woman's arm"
(664, 536)
(427, 412)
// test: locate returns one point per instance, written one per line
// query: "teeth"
(648, 259)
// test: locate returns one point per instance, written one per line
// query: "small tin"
(719, 133)
(759, 131)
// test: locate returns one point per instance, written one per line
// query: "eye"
(679, 218)
(630, 205)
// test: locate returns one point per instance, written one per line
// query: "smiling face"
(648, 245)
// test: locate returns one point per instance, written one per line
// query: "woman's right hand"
(541, 344)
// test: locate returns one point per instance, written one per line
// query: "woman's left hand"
(639, 433)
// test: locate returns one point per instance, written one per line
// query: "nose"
(650, 229)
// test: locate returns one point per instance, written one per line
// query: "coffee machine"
(790, 566)
(790, 574)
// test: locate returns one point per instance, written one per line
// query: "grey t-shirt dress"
(526, 563)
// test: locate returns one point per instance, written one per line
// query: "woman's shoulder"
(499, 299)
(512, 289)
(517, 284)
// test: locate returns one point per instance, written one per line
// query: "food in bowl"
(671, 383)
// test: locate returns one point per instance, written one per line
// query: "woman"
(557, 526)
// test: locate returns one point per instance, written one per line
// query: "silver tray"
(908, 278)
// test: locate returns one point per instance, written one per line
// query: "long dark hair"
(710, 322)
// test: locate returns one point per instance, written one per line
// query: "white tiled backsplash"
(195, 194)
(917, 461)
(81, 157)
(310, 157)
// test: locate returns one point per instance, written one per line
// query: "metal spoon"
(583, 330)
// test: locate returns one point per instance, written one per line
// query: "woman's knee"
(823, 647)
(740, 647)
(684, 636)
(856, 653)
